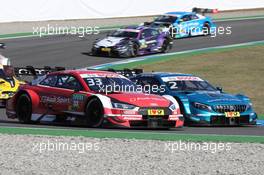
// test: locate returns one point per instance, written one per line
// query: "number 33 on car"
(92, 98)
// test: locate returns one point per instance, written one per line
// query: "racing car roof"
(166, 74)
(138, 28)
(178, 14)
(87, 72)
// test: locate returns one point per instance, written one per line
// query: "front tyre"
(24, 109)
(94, 113)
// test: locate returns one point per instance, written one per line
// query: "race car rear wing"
(32, 71)
(36, 72)
(126, 72)
(204, 10)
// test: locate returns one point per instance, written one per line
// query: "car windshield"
(166, 18)
(189, 84)
(110, 84)
(125, 33)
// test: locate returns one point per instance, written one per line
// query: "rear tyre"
(206, 29)
(165, 46)
(133, 50)
(94, 113)
(24, 109)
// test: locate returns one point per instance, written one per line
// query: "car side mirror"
(219, 89)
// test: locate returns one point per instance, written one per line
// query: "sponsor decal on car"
(78, 97)
(143, 44)
(102, 75)
(146, 98)
(224, 99)
(54, 99)
(181, 78)
(75, 106)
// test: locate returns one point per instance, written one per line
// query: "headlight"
(96, 46)
(122, 106)
(172, 107)
(249, 106)
(202, 106)
(121, 47)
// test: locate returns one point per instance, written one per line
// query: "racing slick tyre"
(133, 50)
(24, 109)
(206, 29)
(186, 121)
(165, 46)
(94, 113)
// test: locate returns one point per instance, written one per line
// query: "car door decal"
(151, 42)
(143, 44)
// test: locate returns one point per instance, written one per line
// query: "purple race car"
(133, 41)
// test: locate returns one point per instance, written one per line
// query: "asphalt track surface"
(72, 52)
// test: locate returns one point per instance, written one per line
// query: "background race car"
(133, 41)
(201, 103)
(183, 24)
(9, 84)
(92, 98)
(3, 59)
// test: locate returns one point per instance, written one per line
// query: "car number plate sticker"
(106, 49)
(232, 114)
(155, 112)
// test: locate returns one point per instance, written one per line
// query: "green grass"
(261, 117)
(133, 135)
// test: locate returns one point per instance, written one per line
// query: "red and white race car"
(96, 98)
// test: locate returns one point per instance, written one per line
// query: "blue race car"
(183, 24)
(201, 103)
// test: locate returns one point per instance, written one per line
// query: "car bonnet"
(141, 99)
